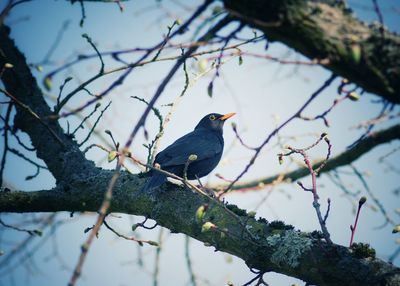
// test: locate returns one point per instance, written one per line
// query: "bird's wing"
(204, 144)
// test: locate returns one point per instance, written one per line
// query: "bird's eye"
(212, 117)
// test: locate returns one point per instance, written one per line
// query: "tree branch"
(268, 247)
(364, 146)
(81, 187)
(327, 30)
(64, 161)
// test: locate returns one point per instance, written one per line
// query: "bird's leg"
(210, 192)
(200, 184)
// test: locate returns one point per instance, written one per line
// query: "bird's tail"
(156, 180)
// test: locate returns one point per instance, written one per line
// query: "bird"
(205, 142)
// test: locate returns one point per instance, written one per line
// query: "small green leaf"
(356, 52)
(280, 159)
(135, 226)
(240, 60)
(353, 96)
(153, 243)
(207, 226)
(38, 232)
(251, 214)
(84, 247)
(112, 155)
(48, 83)
(202, 65)
(201, 211)
(193, 157)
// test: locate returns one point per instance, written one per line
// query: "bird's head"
(214, 121)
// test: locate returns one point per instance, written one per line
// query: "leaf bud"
(207, 226)
(396, 229)
(112, 155)
(153, 243)
(193, 157)
(362, 201)
(353, 96)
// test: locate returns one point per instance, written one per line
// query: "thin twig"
(22, 144)
(354, 227)
(327, 210)
(29, 231)
(130, 67)
(57, 106)
(275, 131)
(94, 125)
(372, 124)
(6, 129)
(373, 197)
(108, 195)
(33, 114)
(157, 258)
(166, 39)
(234, 128)
(139, 241)
(189, 262)
(60, 105)
(85, 118)
(314, 173)
(22, 156)
(100, 218)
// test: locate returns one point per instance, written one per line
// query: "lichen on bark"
(289, 247)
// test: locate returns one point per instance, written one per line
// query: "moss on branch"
(329, 31)
(262, 245)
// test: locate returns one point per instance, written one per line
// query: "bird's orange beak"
(226, 116)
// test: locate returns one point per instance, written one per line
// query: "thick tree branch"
(270, 247)
(81, 187)
(364, 146)
(65, 161)
(327, 30)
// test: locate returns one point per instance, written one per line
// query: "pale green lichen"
(289, 248)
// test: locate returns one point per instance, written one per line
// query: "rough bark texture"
(64, 161)
(81, 186)
(262, 245)
(328, 31)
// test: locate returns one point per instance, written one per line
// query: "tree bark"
(64, 160)
(264, 246)
(327, 30)
(81, 186)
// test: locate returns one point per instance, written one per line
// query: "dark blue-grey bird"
(205, 141)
